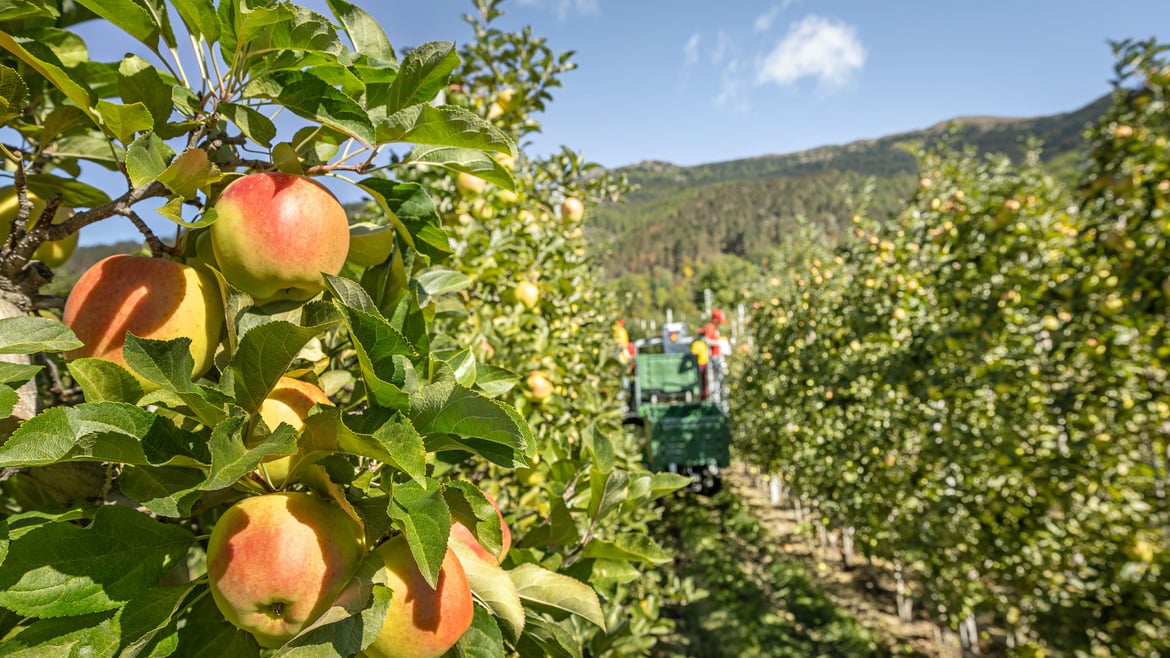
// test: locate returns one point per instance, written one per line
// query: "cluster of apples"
(277, 561)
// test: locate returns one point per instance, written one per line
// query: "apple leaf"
(364, 32)
(445, 125)
(15, 374)
(189, 173)
(124, 121)
(139, 82)
(441, 281)
(73, 193)
(232, 459)
(241, 23)
(350, 294)
(200, 18)
(42, 59)
(310, 97)
(463, 365)
(147, 158)
(62, 569)
(9, 398)
(472, 161)
(26, 334)
(543, 637)
(101, 431)
(393, 441)
(445, 408)
(342, 630)
(13, 93)
(411, 208)
(494, 381)
(471, 507)
(264, 354)
(382, 352)
(93, 634)
(164, 490)
(422, 515)
(424, 72)
(544, 588)
(252, 123)
(204, 632)
(483, 639)
(609, 491)
(63, 119)
(601, 448)
(632, 547)
(131, 17)
(168, 363)
(146, 616)
(105, 381)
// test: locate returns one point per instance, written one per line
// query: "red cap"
(718, 316)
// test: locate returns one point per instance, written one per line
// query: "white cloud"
(764, 21)
(724, 47)
(816, 47)
(691, 50)
(562, 8)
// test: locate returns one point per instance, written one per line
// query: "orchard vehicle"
(676, 397)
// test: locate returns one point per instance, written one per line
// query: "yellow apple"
(527, 293)
(52, 253)
(572, 209)
(469, 185)
(289, 402)
(539, 386)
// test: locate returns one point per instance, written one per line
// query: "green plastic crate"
(692, 434)
(668, 375)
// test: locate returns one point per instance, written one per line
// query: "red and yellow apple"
(539, 386)
(289, 402)
(276, 233)
(151, 297)
(462, 534)
(52, 253)
(276, 562)
(572, 209)
(422, 622)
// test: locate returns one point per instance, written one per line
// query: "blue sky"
(696, 81)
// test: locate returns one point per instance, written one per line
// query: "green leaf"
(105, 381)
(413, 212)
(9, 398)
(422, 515)
(542, 587)
(63, 119)
(551, 640)
(232, 459)
(93, 634)
(129, 16)
(472, 161)
(101, 431)
(42, 59)
(264, 355)
(381, 351)
(609, 491)
(440, 281)
(143, 618)
(463, 365)
(124, 121)
(340, 631)
(251, 122)
(26, 334)
(601, 448)
(200, 18)
(471, 507)
(164, 490)
(241, 23)
(363, 31)
(14, 9)
(450, 409)
(15, 374)
(13, 95)
(189, 173)
(147, 158)
(61, 569)
(139, 82)
(662, 484)
(494, 381)
(424, 72)
(169, 364)
(445, 125)
(482, 640)
(630, 546)
(205, 632)
(393, 441)
(312, 98)
(74, 193)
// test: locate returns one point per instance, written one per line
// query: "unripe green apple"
(422, 622)
(527, 293)
(289, 402)
(52, 253)
(469, 185)
(572, 209)
(276, 562)
(462, 534)
(276, 233)
(151, 297)
(370, 244)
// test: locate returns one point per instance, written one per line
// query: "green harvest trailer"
(685, 430)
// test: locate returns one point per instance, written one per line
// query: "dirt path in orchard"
(867, 591)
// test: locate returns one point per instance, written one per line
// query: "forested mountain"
(683, 216)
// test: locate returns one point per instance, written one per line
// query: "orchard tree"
(259, 435)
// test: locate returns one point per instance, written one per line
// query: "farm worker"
(623, 340)
(711, 330)
(702, 354)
